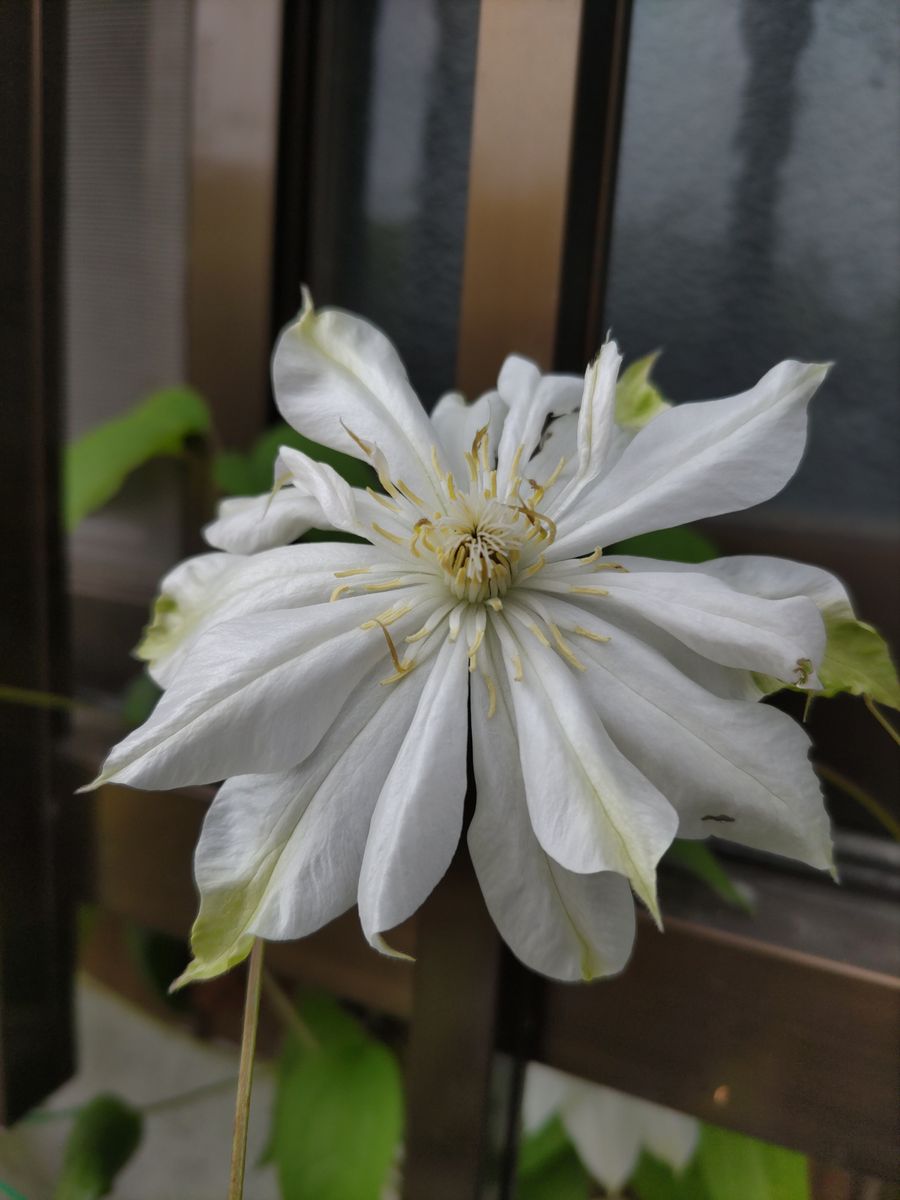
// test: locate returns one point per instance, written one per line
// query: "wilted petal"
(334, 372)
(256, 694)
(247, 524)
(562, 924)
(734, 768)
(279, 855)
(211, 588)
(591, 809)
(418, 818)
(698, 460)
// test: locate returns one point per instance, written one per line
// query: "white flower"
(607, 1128)
(612, 704)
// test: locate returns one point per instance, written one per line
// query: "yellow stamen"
(534, 568)
(352, 571)
(391, 537)
(548, 484)
(410, 494)
(366, 447)
(339, 591)
(399, 667)
(564, 648)
(495, 603)
(492, 695)
(518, 673)
(589, 591)
(539, 634)
(386, 586)
(610, 566)
(383, 500)
(595, 637)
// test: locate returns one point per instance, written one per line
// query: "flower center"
(477, 545)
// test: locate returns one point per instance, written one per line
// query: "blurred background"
(718, 182)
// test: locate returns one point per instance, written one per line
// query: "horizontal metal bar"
(785, 1026)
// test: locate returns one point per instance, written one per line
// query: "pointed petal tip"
(93, 785)
(377, 942)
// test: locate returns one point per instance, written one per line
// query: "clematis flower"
(608, 1128)
(611, 702)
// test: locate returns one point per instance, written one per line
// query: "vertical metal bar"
(463, 1095)
(237, 71)
(522, 129)
(35, 964)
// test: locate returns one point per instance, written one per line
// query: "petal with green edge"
(605, 814)
(562, 924)
(279, 855)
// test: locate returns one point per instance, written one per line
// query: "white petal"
(211, 588)
(456, 423)
(730, 627)
(591, 809)
(279, 855)
(418, 818)
(562, 924)
(316, 480)
(543, 1095)
(256, 694)
(713, 758)
(670, 1136)
(532, 398)
(777, 578)
(596, 422)
(698, 460)
(246, 524)
(606, 1133)
(333, 372)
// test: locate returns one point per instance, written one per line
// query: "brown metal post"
(35, 965)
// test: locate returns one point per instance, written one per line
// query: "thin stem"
(881, 719)
(245, 1073)
(872, 806)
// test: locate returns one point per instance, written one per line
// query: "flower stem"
(245, 1073)
(872, 806)
(882, 720)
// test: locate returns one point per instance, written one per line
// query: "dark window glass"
(757, 219)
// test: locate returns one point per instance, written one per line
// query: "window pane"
(757, 219)
(392, 164)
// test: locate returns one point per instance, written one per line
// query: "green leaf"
(160, 958)
(734, 1167)
(251, 474)
(549, 1167)
(338, 1115)
(697, 859)
(105, 1135)
(637, 399)
(857, 660)
(682, 544)
(97, 464)
(655, 1180)
(139, 699)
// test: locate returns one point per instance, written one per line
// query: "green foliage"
(683, 544)
(160, 958)
(655, 1180)
(697, 859)
(97, 464)
(857, 660)
(735, 1167)
(637, 399)
(549, 1168)
(338, 1115)
(139, 699)
(105, 1135)
(250, 474)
